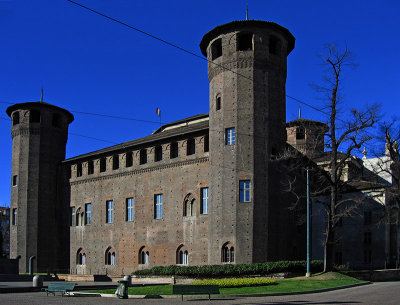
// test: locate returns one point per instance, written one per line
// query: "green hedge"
(228, 270)
(237, 283)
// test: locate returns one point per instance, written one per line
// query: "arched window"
(80, 214)
(144, 256)
(228, 253)
(189, 205)
(216, 49)
(182, 255)
(110, 258)
(80, 257)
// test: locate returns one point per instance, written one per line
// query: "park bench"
(63, 287)
(195, 289)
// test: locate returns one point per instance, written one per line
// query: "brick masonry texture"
(251, 92)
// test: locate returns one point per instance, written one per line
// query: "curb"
(219, 296)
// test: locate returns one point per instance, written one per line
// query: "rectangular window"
(129, 159)
(34, 116)
(204, 200)
(190, 147)
(90, 170)
(129, 209)
(174, 150)
(15, 118)
(15, 180)
(206, 144)
(103, 165)
(72, 222)
(79, 170)
(88, 213)
(245, 42)
(143, 156)
(158, 206)
(218, 103)
(158, 153)
(230, 137)
(110, 211)
(115, 160)
(14, 217)
(244, 191)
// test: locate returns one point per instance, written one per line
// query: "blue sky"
(87, 63)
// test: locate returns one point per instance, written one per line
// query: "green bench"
(63, 287)
(195, 289)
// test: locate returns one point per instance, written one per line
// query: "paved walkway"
(386, 293)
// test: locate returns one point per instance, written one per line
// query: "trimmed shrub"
(230, 283)
(231, 270)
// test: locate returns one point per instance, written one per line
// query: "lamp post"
(308, 273)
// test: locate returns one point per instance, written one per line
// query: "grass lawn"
(322, 281)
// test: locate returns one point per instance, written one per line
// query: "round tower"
(39, 132)
(247, 75)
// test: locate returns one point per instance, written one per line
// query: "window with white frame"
(230, 136)
(110, 211)
(129, 209)
(204, 200)
(158, 206)
(88, 213)
(244, 191)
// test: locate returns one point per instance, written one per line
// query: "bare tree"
(347, 132)
(387, 165)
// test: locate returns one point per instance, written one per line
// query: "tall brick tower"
(247, 75)
(39, 132)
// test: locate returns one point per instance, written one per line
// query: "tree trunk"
(329, 248)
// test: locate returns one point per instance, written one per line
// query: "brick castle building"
(202, 190)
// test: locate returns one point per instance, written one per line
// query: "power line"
(115, 117)
(92, 138)
(157, 38)
(183, 49)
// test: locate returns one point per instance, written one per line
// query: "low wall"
(375, 275)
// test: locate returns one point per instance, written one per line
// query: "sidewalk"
(12, 287)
